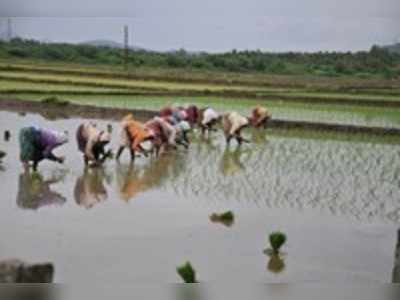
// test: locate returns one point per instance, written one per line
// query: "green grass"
(123, 85)
(202, 76)
(343, 96)
(111, 87)
(17, 86)
(345, 114)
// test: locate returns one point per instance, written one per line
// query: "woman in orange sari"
(133, 134)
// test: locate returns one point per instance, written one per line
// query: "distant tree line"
(377, 61)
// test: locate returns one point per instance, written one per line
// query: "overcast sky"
(211, 25)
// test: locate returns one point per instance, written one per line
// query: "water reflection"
(223, 219)
(17, 271)
(34, 191)
(298, 172)
(276, 263)
(90, 187)
(360, 180)
(396, 269)
(133, 180)
(258, 136)
(7, 136)
(231, 162)
(189, 292)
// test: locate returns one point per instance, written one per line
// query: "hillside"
(395, 48)
(109, 44)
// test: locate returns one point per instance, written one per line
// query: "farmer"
(164, 133)
(133, 133)
(193, 114)
(233, 123)
(37, 144)
(174, 115)
(167, 135)
(208, 120)
(259, 117)
(182, 130)
(165, 112)
(91, 142)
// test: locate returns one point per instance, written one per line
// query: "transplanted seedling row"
(276, 240)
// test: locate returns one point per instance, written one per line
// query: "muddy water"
(336, 198)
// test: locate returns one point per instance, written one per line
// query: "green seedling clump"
(226, 218)
(55, 101)
(187, 273)
(277, 240)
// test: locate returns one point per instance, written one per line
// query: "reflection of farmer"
(91, 142)
(396, 269)
(34, 192)
(258, 136)
(134, 180)
(2, 155)
(131, 181)
(89, 188)
(37, 144)
(230, 163)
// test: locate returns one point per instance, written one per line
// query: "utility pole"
(126, 46)
(9, 29)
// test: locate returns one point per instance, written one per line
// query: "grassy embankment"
(341, 99)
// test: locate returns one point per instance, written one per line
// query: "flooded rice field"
(327, 113)
(358, 115)
(336, 198)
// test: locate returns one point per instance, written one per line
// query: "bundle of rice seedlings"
(277, 240)
(226, 218)
(187, 273)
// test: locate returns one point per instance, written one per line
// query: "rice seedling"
(187, 273)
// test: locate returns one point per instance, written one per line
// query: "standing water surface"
(335, 198)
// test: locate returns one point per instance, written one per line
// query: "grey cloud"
(212, 25)
(203, 8)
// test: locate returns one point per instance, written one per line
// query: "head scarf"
(60, 137)
(183, 126)
(233, 121)
(104, 137)
(209, 115)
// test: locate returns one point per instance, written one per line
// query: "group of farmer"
(169, 129)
